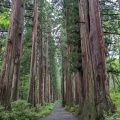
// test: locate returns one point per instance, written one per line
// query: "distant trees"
(65, 41)
(110, 21)
(11, 62)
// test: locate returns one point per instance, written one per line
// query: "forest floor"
(58, 113)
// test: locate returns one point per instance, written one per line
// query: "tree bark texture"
(63, 81)
(31, 92)
(14, 91)
(46, 73)
(11, 61)
(95, 81)
(40, 71)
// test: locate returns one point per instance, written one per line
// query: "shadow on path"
(58, 113)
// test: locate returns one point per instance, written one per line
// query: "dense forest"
(59, 50)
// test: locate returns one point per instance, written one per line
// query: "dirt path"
(58, 113)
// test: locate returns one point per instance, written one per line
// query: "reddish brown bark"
(96, 95)
(77, 88)
(18, 49)
(46, 85)
(49, 95)
(51, 92)
(40, 71)
(63, 81)
(73, 88)
(31, 92)
(11, 60)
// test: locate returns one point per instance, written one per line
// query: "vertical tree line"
(41, 90)
(63, 52)
(85, 59)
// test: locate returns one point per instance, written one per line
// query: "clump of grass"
(74, 109)
(45, 109)
(77, 111)
(67, 108)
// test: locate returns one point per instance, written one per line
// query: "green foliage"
(0, 65)
(115, 116)
(74, 109)
(23, 86)
(113, 69)
(22, 110)
(113, 66)
(111, 23)
(115, 96)
(4, 19)
(73, 41)
(5, 115)
(77, 111)
(45, 109)
(67, 108)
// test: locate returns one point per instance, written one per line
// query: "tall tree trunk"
(49, 95)
(73, 88)
(43, 88)
(40, 61)
(77, 88)
(113, 78)
(11, 60)
(96, 95)
(46, 73)
(63, 81)
(31, 92)
(66, 61)
(40, 70)
(14, 91)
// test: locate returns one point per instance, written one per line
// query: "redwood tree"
(95, 81)
(11, 62)
(31, 92)
(40, 71)
(40, 54)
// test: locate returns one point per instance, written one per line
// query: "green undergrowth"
(45, 109)
(21, 110)
(115, 96)
(74, 109)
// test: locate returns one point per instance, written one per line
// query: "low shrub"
(5, 115)
(45, 109)
(22, 110)
(74, 109)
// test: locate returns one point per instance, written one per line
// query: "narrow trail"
(58, 113)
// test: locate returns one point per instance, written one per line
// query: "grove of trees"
(65, 50)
